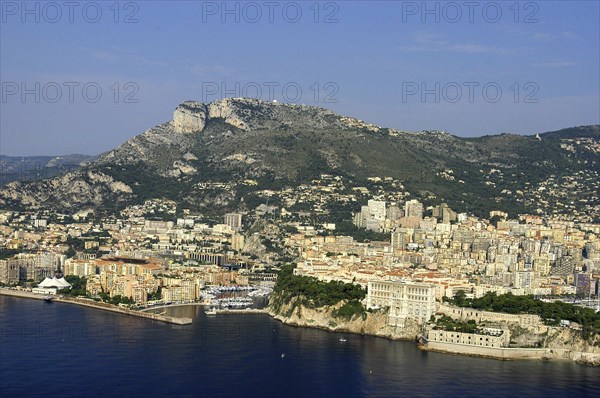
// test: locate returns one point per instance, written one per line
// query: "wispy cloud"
(428, 42)
(543, 36)
(557, 63)
(103, 55)
(480, 49)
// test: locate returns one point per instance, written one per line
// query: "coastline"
(512, 354)
(97, 305)
(339, 330)
(357, 326)
(366, 327)
(375, 324)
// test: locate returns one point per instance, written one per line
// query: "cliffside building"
(406, 300)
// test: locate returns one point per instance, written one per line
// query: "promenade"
(97, 305)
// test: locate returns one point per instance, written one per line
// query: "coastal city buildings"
(434, 249)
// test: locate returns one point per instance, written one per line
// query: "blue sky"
(398, 64)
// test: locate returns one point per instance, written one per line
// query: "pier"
(98, 305)
(163, 306)
(242, 311)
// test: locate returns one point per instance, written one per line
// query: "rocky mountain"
(210, 156)
(29, 168)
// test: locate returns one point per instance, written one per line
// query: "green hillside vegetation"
(551, 313)
(78, 286)
(312, 293)
(285, 146)
(346, 228)
(592, 131)
(447, 323)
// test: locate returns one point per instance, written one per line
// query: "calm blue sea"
(57, 349)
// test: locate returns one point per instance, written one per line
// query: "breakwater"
(98, 305)
(242, 311)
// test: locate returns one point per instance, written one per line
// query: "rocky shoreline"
(512, 354)
(375, 324)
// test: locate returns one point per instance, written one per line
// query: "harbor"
(220, 298)
(216, 300)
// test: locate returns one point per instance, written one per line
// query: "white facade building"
(234, 220)
(406, 300)
(377, 209)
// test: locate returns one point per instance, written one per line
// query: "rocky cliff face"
(560, 343)
(80, 189)
(374, 324)
(559, 338)
(189, 117)
(568, 343)
(235, 139)
(251, 114)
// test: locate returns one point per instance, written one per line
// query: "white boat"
(342, 340)
(211, 312)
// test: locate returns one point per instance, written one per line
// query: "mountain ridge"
(13, 168)
(276, 144)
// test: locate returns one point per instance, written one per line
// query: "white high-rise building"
(401, 238)
(377, 209)
(234, 220)
(413, 208)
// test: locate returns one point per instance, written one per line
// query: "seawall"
(586, 358)
(98, 305)
(160, 307)
(488, 352)
(20, 293)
